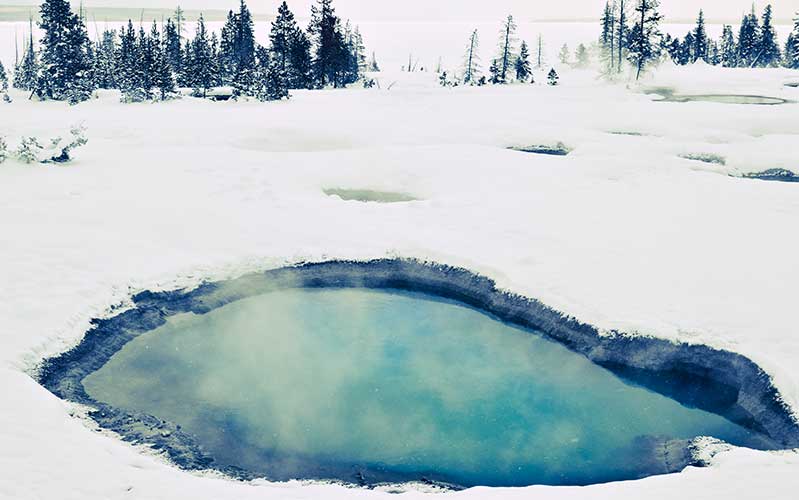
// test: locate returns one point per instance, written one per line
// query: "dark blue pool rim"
(718, 381)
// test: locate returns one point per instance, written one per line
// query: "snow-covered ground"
(622, 233)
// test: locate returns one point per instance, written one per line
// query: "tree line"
(150, 64)
(634, 36)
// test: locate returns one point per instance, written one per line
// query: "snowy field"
(622, 234)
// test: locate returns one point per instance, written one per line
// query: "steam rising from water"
(321, 383)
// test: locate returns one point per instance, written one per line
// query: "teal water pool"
(384, 386)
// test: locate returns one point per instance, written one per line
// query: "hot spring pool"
(370, 386)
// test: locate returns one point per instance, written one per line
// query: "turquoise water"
(327, 384)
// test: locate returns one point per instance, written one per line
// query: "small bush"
(29, 149)
(3, 149)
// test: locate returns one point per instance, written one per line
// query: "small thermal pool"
(368, 195)
(669, 95)
(369, 386)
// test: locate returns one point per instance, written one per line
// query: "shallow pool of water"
(377, 386)
(368, 195)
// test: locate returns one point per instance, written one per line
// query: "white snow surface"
(622, 234)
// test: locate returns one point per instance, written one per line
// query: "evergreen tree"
(291, 49)
(642, 47)
(471, 65)
(272, 84)
(768, 50)
(686, 53)
(523, 70)
(552, 77)
(330, 55)
(129, 75)
(236, 62)
(494, 72)
(146, 62)
(26, 75)
(281, 36)
(700, 50)
(201, 66)
(507, 41)
(105, 61)
(66, 67)
(582, 56)
(172, 47)
(160, 70)
(213, 66)
(714, 53)
(607, 41)
(3, 79)
(564, 54)
(748, 40)
(729, 49)
(300, 63)
(792, 48)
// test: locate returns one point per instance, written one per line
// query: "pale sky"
(466, 10)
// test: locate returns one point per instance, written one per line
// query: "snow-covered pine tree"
(290, 48)
(172, 47)
(227, 49)
(714, 53)
(330, 54)
(129, 75)
(3, 78)
(564, 55)
(523, 70)
(146, 52)
(160, 70)
(105, 60)
(186, 77)
(700, 48)
(493, 72)
(26, 74)
(748, 40)
(281, 36)
(201, 66)
(29, 149)
(244, 51)
(471, 62)
(787, 58)
(359, 51)
(793, 47)
(768, 50)
(66, 67)
(552, 77)
(4, 153)
(642, 40)
(686, 54)
(582, 56)
(213, 67)
(507, 43)
(729, 49)
(271, 79)
(607, 40)
(539, 56)
(301, 74)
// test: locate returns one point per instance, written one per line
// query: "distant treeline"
(150, 64)
(755, 46)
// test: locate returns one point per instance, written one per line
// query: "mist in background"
(464, 10)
